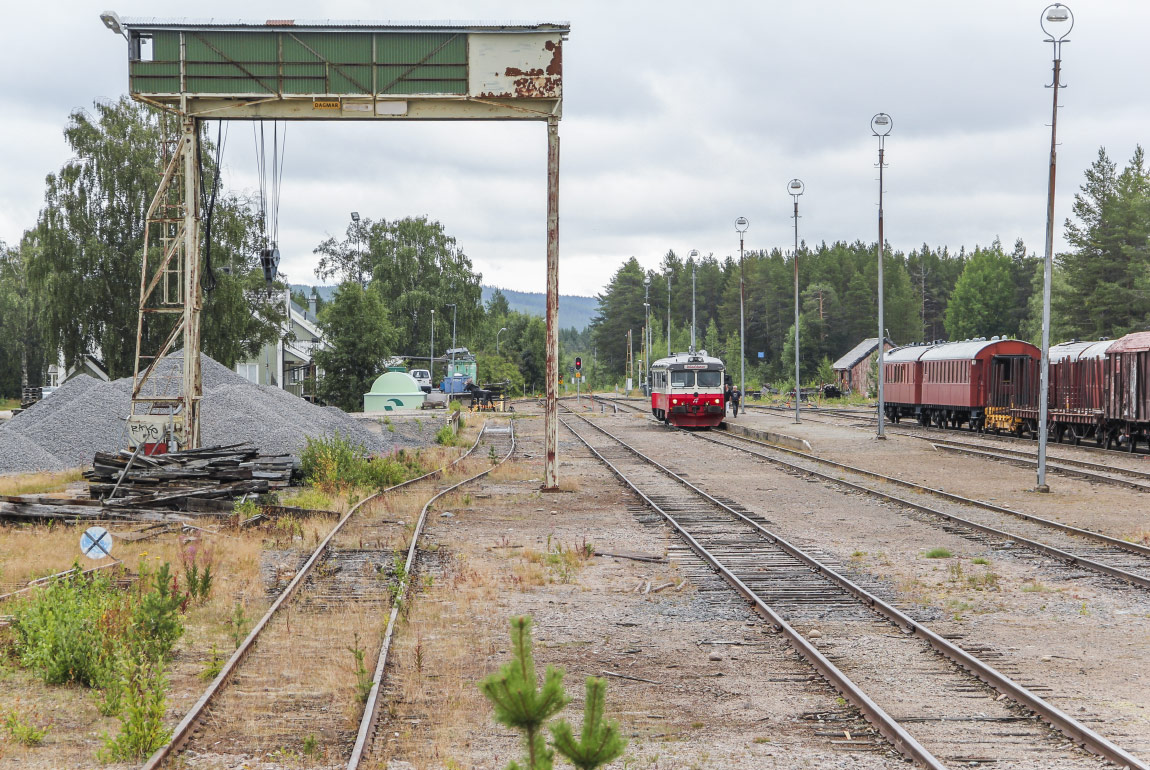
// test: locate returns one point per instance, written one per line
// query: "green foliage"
(600, 742)
(1106, 291)
(82, 629)
(519, 703)
(363, 681)
(445, 436)
(24, 733)
(197, 560)
(336, 464)
(22, 350)
(938, 553)
(413, 265)
(214, 665)
(70, 631)
(238, 624)
(156, 623)
(358, 328)
(825, 373)
(142, 731)
(983, 298)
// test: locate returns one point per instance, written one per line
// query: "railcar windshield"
(682, 379)
(710, 379)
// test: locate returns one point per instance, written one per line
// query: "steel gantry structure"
(284, 69)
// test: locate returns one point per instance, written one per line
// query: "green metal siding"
(304, 63)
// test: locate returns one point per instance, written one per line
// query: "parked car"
(422, 379)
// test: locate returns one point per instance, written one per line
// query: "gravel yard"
(86, 416)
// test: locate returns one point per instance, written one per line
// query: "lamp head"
(881, 124)
(796, 187)
(355, 216)
(1057, 18)
(112, 21)
(694, 253)
(741, 224)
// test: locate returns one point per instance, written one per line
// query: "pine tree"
(520, 704)
(600, 741)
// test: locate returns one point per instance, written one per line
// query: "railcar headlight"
(674, 400)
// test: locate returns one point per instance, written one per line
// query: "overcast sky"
(678, 118)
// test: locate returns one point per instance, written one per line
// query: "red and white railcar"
(687, 390)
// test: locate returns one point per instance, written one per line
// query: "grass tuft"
(938, 553)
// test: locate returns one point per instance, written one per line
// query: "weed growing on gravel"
(307, 497)
(938, 553)
(310, 746)
(24, 733)
(238, 624)
(214, 666)
(36, 483)
(197, 560)
(336, 464)
(1035, 586)
(979, 560)
(986, 581)
(362, 675)
(954, 571)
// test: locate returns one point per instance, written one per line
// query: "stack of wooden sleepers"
(192, 482)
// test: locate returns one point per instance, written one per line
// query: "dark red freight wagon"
(1127, 391)
(1077, 394)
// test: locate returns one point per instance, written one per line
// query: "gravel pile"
(86, 416)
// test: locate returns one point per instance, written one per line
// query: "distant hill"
(574, 311)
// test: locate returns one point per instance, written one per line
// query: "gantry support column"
(193, 384)
(551, 414)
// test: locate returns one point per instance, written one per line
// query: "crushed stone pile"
(85, 416)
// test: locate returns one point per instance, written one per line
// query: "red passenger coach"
(949, 384)
(687, 390)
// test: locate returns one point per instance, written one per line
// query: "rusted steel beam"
(551, 413)
(193, 295)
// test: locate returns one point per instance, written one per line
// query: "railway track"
(916, 431)
(934, 702)
(1082, 548)
(286, 680)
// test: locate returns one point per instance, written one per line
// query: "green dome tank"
(392, 391)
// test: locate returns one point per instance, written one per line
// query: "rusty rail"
(1064, 723)
(371, 708)
(183, 729)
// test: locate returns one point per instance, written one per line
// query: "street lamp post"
(1056, 16)
(497, 339)
(795, 188)
(693, 256)
(646, 328)
(454, 311)
(880, 126)
(431, 357)
(741, 225)
(668, 310)
(358, 239)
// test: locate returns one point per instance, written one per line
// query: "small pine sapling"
(600, 742)
(519, 704)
